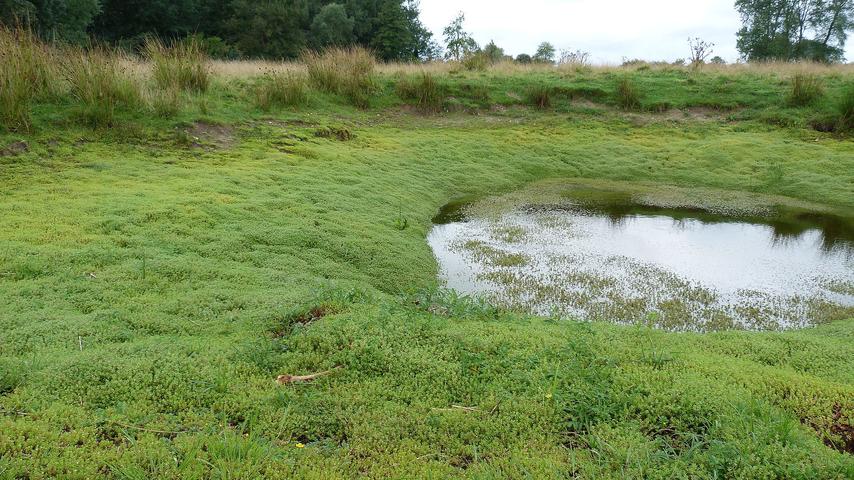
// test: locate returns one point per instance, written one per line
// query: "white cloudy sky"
(608, 29)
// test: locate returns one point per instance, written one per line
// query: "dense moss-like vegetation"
(156, 276)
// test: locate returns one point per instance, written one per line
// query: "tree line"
(234, 28)
(772, 29)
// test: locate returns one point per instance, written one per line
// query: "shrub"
(846, 109)
(806, 89)
(344, 71)
(539, 96)
(27, 71)
(628, 96)
(99, 80)
(183, 65)
(424, 90)
(282, 89)
(476, 61)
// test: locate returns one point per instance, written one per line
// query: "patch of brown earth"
(210, 135)
(15, 148)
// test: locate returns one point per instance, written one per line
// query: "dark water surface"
(599, 255)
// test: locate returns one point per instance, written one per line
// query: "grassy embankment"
(164, 255)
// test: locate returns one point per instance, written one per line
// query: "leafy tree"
(134, 19)
(493, 52)
(545, 53)
(426, 48)
(459, 43)
(64, 20)
(17, 11)
(523, 58)
(256, 28)
(269, 28)
(794, 29)
(394, 39)
(332, 26)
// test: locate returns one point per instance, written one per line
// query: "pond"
(672, 258)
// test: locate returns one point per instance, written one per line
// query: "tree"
(331, 26)
(269, 28)
(523, 58)
(717, 60)
(63, 20)
(13, 12)
(700, 51)
(135, 19)
(493, 52)
(545, 53)
(794, 29)
(459, 43)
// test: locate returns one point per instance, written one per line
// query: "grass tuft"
(424, 90)
(345, 71)
(806, 89)
(281, 89)
(182, 65)
(26, 72)
(628, 95)
(846, 109)
(102, 85)
(539, 96)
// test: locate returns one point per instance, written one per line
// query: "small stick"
(454, 408)
(150, 430)
(285, 379)
(80, 342)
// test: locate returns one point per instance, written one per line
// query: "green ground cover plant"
(158, 275)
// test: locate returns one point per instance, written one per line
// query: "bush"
(628, 96)
(282, 89)
(344, 71)
(539, 96)
(477, 61)
(99, 80)
(806, 89)
(183, 65)
(27, 71)
(424, 90)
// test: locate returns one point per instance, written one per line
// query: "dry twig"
(286, 379)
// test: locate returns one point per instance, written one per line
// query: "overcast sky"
(609, 29)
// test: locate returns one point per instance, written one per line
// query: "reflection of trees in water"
(836, 232)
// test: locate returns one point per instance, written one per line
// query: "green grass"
(152, 287)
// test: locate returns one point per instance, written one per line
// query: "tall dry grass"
(99, 82)
(806, 89)
(346, 71)
(423, 89)
(628, 94)
(182, 65)
(27, 71)
(282, 89)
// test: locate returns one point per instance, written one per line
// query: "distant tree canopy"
(545, 53)
(254, 28)
(794, 29)
(460, 43)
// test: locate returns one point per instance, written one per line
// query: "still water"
(679, 269)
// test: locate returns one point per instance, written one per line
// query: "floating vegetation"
(665, 257)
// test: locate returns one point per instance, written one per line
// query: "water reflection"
(599, 255)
